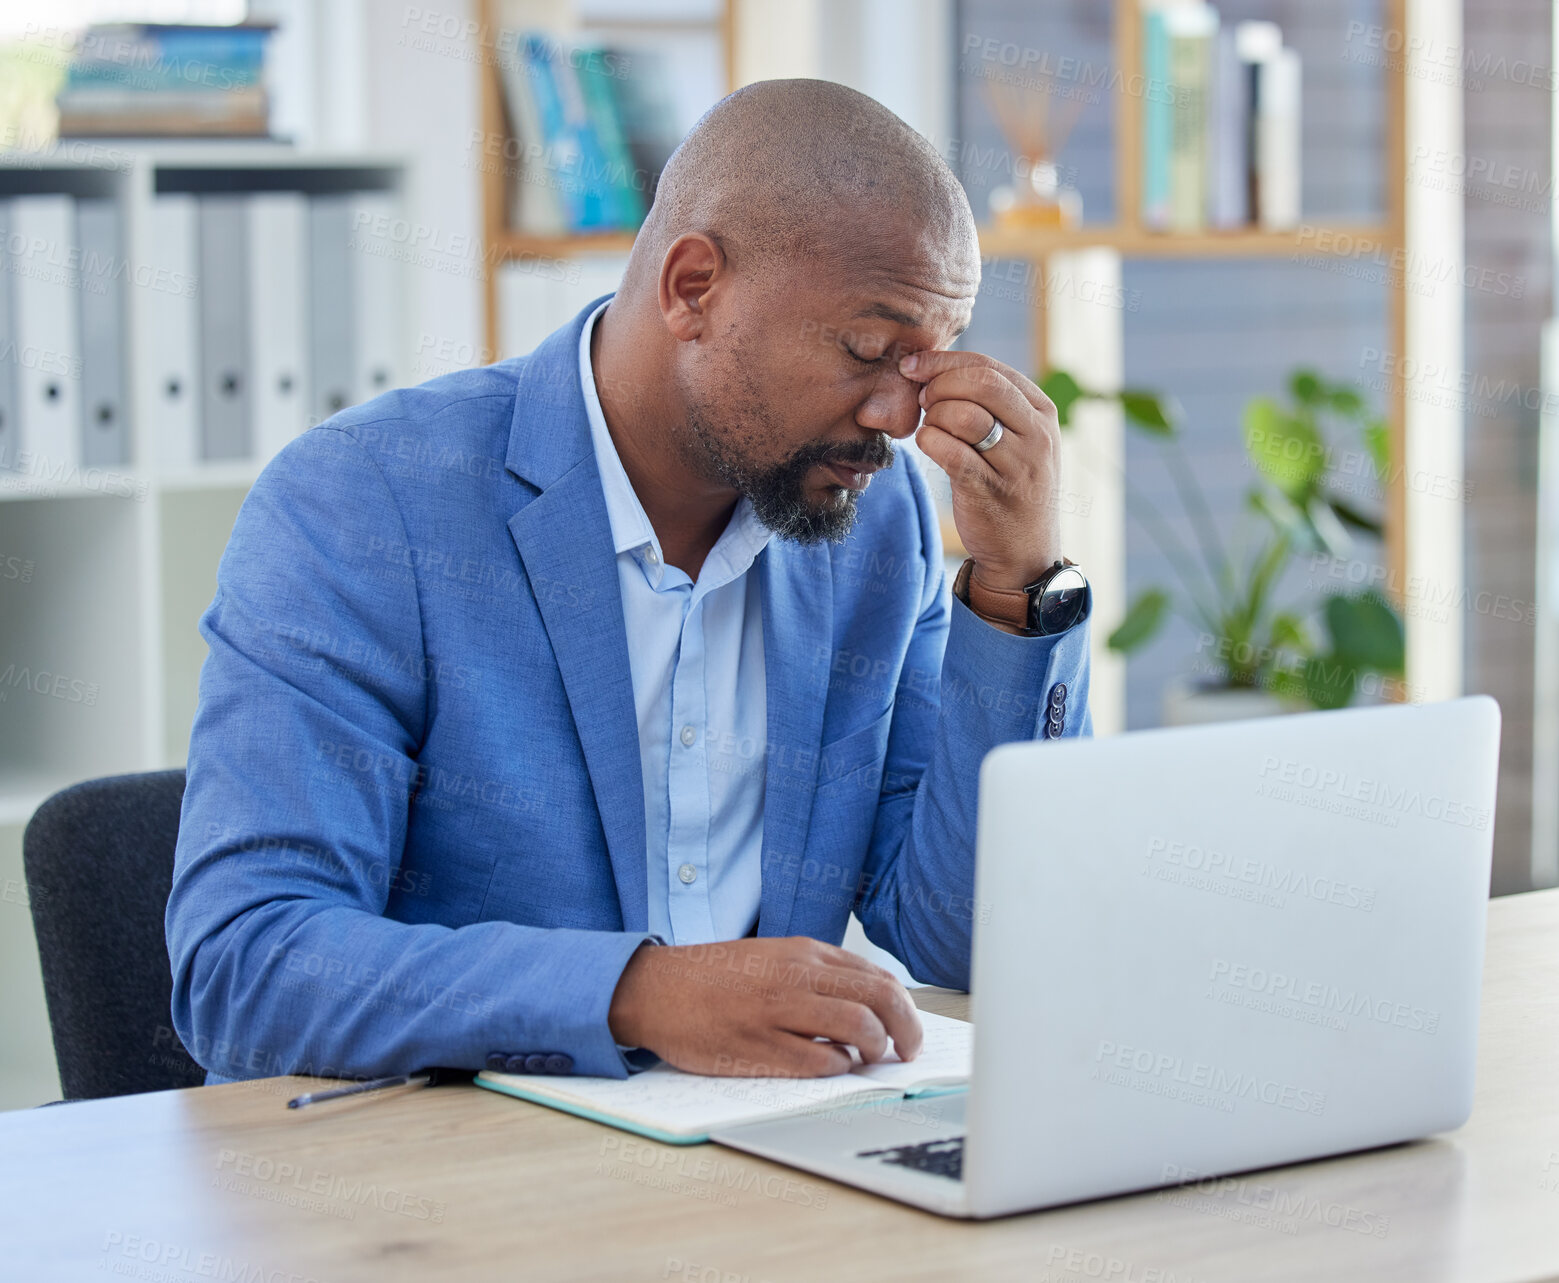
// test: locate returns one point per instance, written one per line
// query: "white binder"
(278, 331)
(41, 257)
(331, 307)
(376, 274)
(528, 304)
(10, 354)
(169, 396)
(532, 304)
(105, 432)
(226, 397)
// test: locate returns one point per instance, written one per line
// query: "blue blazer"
(413, 832)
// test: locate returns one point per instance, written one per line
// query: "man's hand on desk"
(755, 1007)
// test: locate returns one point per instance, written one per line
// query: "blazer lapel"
(798, 618)
(565, 543)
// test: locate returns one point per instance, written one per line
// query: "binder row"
(60, 298)
(256, 316)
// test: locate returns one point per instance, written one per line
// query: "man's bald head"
(807, 169)
(802, 239)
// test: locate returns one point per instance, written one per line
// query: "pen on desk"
(422, 1078)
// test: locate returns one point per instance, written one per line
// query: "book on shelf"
(167, 80)
(1157, 102)
(593, 128)
(641, 89)
(533, 202)
(170, 56)
(1191, 31)
(1275, 96)
(569, 140)
(1228, 137)
(623, 196)
(1220, 121)
(110, 112)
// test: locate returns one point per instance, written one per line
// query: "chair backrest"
(99, 862)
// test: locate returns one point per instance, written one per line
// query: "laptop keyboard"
(938, 1157)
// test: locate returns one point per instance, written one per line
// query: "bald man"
(558, 714)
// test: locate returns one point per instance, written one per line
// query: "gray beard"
(778, 493)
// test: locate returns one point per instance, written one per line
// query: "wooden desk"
(456, 1183)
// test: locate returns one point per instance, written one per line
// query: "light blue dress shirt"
(695, 653)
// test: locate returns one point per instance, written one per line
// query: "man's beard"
(778, 492)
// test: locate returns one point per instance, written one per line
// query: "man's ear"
(693, 266)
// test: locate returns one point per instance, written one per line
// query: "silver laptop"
(1201, 951)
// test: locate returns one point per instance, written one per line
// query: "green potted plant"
(1256, 654)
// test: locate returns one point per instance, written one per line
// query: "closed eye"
(866, 360)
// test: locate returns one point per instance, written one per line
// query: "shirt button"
(688, 736)
(687, 873)
(651, 556)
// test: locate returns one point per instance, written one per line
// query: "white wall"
(27, 1073)
(422, 102)
(369, 76)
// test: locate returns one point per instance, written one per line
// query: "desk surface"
(454, 1182)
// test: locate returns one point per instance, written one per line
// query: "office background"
(396, 122)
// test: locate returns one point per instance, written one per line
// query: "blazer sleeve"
(282, 959)
(965, 687)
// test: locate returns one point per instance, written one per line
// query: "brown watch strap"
(1008, 606)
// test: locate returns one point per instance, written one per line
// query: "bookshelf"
(1139, 242)
(1420, 223)
(1128, 236)
(504, 244)
(123, 558)
(1422, 544)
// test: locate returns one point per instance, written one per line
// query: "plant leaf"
(1329, 531)
(1306, 387)
(1377, 440)
(1353, 518)
(1144, 618)
(1148, 411)
(1366, 632)
(1277, 509)
(1345, 400)
(1330, 681)
(1263, 574)
(1285, 449)
(1288, 630)
(1063, 389)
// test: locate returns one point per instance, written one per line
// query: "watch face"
(1063, 603)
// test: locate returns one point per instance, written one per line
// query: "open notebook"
(679, 1108)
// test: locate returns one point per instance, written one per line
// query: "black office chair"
(99, 862)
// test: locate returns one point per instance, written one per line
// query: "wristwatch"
(1059, 599)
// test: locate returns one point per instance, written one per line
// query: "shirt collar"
(631, 529)
(744, 536)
